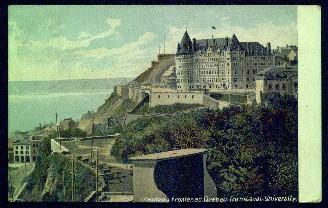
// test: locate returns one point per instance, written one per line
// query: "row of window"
(277, 87)
(198, 72)
(209, 80)
(21, 147)
(27, 146)
(22, 152)
(247, 79)
(178, 96)
(206, 86)
(23, 158)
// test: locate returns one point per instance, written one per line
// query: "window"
(168, 96)
(22, 152)
(22, 159)
(192, 96)
(16, 152)
(34, 158)
(246, 86)
(27, 158)
(277, 86)
(283, 86)
(159, 96)
(27, 152)
(270, 87)
(185, 96)
(16, 158)
(21, 147)
(16, 147)
(27, 147)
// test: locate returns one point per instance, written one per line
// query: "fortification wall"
(172, 97)
(122, 90)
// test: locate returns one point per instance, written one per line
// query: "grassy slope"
(114, 107)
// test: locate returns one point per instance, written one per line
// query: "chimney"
(269, 46)
(194, 44)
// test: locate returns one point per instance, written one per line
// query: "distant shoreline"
(56, 80)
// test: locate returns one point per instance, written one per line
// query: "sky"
(90, 42)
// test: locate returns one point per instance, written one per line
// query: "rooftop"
(24, 141)
(278, 72)
(169, 154)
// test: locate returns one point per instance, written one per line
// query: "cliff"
(114, 107)
(117, 107)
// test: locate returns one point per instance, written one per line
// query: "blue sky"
(73, 42)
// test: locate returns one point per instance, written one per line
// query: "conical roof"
(185, 44)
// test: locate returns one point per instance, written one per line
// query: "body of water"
(35, 102)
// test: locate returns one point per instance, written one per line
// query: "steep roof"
(185, 45)
(216, 43)
(254, 48)
(277, 72)
(251, 48)
(24, 141)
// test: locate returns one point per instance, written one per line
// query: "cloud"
(113, 22)
(83, 35)
(83, 40)
(122, 52)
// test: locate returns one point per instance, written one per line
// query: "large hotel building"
(220, 63)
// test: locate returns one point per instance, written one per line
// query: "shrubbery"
(54, 165)
(252, 149)
(167, 108)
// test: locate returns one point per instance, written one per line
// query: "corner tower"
(183, 60)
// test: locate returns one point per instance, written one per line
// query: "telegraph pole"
(73, 179)
(25, 163)
(64, 188)
(92, 134)
(97, 176)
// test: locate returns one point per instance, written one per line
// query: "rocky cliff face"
(114, 107)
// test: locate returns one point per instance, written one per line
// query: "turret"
(269, 47)
(234, 42)
(185, 45)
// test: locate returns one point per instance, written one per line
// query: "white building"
(25, 149)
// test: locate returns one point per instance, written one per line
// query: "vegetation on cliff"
(46, 181)
(166, 108)
(252, 149)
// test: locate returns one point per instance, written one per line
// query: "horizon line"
(45, 80)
